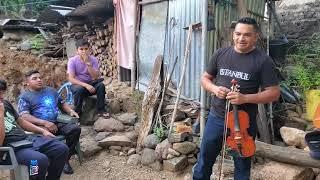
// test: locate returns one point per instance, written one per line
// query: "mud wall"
(299, 19)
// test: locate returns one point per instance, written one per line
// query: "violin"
(239, 140)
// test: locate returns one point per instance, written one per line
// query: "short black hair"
(249, 21)
(3, 85)
(82, 42)
(31, 72)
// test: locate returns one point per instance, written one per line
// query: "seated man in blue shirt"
(40, 106)
(49, 154)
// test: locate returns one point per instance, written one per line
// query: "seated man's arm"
(33, 128)
(2, 129)
(66, 108)
(75, 81)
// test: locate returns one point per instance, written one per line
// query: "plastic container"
(278, 48)
(312, 102)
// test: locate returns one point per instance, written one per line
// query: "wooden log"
(286, 155)
(149, 102)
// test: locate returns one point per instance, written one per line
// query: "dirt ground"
(105, 166)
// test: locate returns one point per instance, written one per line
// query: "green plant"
(159, 132)
(305, 71)
(37, 42)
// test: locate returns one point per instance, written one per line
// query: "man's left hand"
(74, 114)
(236, 98)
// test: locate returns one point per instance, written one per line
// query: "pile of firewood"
(104, 48)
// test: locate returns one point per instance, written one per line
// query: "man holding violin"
(252, 69)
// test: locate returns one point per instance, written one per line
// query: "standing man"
(48, 153)
(253, 69)
(40, 106)
(83, 73)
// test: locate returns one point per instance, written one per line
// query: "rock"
(293, 137)
(110, 125)
(157, 166)
(134, 159)
(178, 137)
(173, 152)
(86, 130)
(190, 155)
(175, 164)
(131, 151)
(162, 149)
(137, 126)
(128, 105)
(192, 160)
(122, 154)
(126, 149)
(106, 164)
(179, 117)
(148, 156)
(170, 156)
(114, 106)
(151, 141)
(88, 110)
(184, 147)
(318, 177)
(118, 148)
(114, 152)
(274, 171)
(102, 135)
(115, 140)
(133, 135)
(187, 121)
(89, 146)
(25, 46)
(292, 114)
(127, 118)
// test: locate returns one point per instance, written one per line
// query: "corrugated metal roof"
(94, 7)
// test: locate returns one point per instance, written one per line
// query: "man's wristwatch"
(88, 64)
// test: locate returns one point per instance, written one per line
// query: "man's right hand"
(221, 92)
(48, 134)
(50, 126)
(90, 88)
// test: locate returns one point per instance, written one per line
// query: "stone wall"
(299, 19)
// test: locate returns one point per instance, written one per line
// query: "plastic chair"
(69, 96)
(66, 118)
(17, 172)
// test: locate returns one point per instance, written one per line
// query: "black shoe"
(67, 169)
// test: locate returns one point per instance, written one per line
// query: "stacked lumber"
(104, 48)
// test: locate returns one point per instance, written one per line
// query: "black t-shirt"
(251, 70)
(13, 132)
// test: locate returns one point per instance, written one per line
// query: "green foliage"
(17, 8)
(305, 74)
(37, 42)
(159, 132)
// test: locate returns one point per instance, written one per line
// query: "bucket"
(278, 48)
(312, 102)
(316, 119)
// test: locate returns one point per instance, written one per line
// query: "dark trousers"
(79, 93)
(211, 146)
(50, 154)
(72, 132)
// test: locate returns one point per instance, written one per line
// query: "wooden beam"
(288, 155)
(150, 2)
